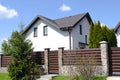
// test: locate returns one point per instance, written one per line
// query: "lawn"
(66, 78)
(4, 76)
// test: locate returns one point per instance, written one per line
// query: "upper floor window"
(35, 32)
(86, 39)
(45, 30)
(80, 29)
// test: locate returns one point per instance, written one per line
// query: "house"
(68, 32)
(117, 31)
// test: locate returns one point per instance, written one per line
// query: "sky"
(15, 12)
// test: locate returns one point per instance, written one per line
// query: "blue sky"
(13, 12)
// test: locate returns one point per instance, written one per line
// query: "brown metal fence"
(114, 59)
(53, 62)
(38, 57)
(5, 60)
(73, 57)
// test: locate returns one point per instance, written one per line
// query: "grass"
(4, 76)
(60, 78)
(66, 78)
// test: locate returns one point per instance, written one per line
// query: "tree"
(91, 41)
(95, 35)
(21, 67)
(101, 33)
(109, 36)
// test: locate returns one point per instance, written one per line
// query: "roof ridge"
(71, 16)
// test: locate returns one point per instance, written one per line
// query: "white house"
(117, 31)
(68, 32)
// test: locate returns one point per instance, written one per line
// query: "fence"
(38, 57)
(5, 60)
(108, 59)
(72, 57)
(114, 61)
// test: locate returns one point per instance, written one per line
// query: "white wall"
(76, 37)
(118, 40)
(118, 37)
(55, 39)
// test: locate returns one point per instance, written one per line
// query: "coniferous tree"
(95, 35)
(21, 67)
(91, 41)
(98, 33)
(109, 36)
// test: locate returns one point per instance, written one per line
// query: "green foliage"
(91, 40)
(95, 35)
(5, 48)
(109, 36)
(101, 33)
(22, 66)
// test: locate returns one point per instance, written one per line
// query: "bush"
(85, 67)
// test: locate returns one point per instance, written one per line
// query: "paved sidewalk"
(113, 78)
(47, 77)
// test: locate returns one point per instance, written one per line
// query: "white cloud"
(7, 12)
(64, 8)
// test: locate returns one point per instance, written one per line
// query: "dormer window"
(35, 32)
(45, 30)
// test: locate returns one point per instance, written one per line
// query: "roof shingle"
(69, 21)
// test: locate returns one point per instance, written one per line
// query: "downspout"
(69, 31)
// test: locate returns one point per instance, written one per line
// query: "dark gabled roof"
(66, 22)
(36, 19)
(117, 26)
(71, 21)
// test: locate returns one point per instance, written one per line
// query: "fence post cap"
(61, 47)
(103, 42)
(46, 48)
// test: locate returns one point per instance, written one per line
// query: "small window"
(80, 29)
(45, 30)
(35, 32)
(82, 45)
(86, 39)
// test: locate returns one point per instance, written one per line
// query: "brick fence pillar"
(104, 57)
(60, 57)
(46, 52)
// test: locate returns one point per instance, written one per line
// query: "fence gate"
(115, 61)
(53, 62)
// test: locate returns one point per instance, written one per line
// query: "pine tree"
(21, 67)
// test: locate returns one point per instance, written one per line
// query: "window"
(80, 29)
(45, 30)
(82, 45)
(35, 32)
(86, 39)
